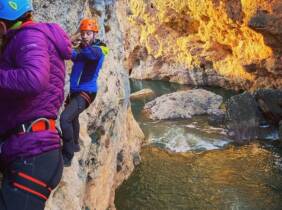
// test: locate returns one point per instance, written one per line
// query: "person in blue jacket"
(87, 60)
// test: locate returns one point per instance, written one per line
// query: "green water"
(208, 173)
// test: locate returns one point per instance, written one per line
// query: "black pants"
(47, 167)
(70, 124)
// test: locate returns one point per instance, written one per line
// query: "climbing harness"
(39, 124)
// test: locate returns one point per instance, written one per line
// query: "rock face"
(267, 21)
(211, 42)
(109, 157)
(183, 104)
(65, 12)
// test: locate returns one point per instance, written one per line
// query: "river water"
(188, 164)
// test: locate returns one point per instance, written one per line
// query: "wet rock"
(280, 131)
(136, 159)
(183, 104)
(270, 103)
(242, 117)
(216, 118)
(142, 94)
(254, 116)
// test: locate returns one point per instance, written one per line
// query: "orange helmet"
(88, 25)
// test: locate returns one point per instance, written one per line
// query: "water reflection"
(244, 178)
(177, 135)
(232, 178)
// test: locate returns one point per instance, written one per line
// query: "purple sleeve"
(31, 74)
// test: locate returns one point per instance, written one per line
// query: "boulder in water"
(242, 117)
(142, 94)
(254, 116)
(183, 104)
(270, 103)
(280, 131)
(216, 118)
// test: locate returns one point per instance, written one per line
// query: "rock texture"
(242, 117)
(65, 12)
(183, 104)
(109, 155)
(280, 131)
(270, 103)
(225, 43)
(254, 116)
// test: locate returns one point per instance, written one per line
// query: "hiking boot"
(67, 161)
(76, 148)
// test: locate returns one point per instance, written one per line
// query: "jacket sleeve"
(74, 54)
(31, 72)
(90, 54)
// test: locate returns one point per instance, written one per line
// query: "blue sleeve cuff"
(74, 54)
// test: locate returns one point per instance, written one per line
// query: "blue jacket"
(87, 63)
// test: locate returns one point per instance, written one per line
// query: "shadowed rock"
(242, 117)
(270, 103)
(254, 116)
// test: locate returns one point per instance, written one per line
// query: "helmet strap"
(3, 28)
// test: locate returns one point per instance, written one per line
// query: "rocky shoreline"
(246, 116)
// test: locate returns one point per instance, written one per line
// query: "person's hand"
(76, 40)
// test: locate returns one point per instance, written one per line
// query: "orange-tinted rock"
(240, 40)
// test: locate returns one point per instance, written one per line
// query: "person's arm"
(31, 74)
(90, 54)
(74, 54)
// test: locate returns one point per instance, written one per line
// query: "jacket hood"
(55, 34)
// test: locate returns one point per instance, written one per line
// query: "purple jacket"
(32, 73)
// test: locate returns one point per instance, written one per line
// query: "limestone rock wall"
(230, 43)
(109, 157)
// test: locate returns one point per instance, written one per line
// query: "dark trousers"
(70, 124)
(47, 167)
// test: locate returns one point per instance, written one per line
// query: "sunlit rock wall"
(219, 42)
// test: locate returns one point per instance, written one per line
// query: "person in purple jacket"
(32, 73)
